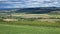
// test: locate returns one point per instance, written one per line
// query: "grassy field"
(31, 26)
(18, 15)
(36, 15)
(33, 23)
(15, 29)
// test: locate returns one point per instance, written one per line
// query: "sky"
(29, 3)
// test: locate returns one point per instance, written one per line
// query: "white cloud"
(29, 3)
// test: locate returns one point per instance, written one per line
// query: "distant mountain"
(39, 10)
(9, 9)
(32, 10)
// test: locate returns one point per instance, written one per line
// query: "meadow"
(23, 29)
(31, 24)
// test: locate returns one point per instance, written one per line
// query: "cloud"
(28, 3)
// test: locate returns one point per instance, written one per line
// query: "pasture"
(24, 29)
(42, 24)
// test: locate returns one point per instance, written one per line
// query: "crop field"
(31, 24)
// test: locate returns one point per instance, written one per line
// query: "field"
(14, 29)
(31, 24)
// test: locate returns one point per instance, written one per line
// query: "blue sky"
(28, 3)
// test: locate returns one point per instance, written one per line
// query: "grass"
(33, 23)
(18, 15)
(15, 29)
(52, 16)
(31, 26)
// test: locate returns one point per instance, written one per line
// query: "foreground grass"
(15, 29)
(30, 27)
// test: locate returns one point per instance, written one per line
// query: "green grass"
(34, 26)
(15, 29)
(33, 23)
(29, 27)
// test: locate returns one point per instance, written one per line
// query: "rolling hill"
(37, 10)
